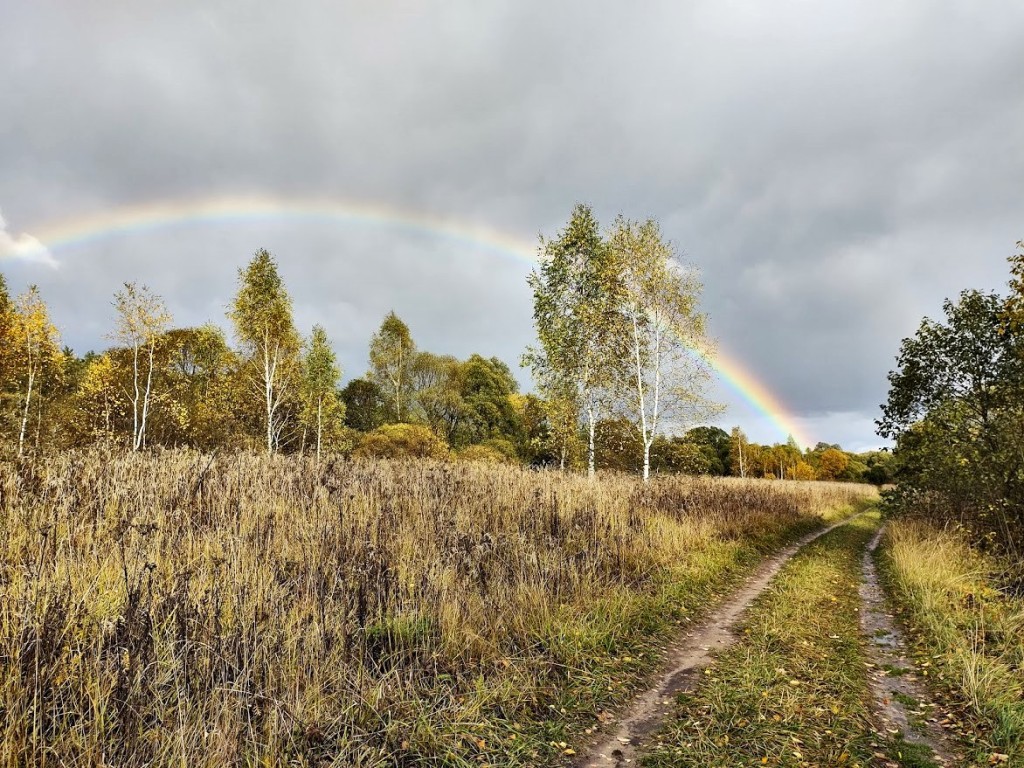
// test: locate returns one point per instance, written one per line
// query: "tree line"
(619, 367)
(956, 411)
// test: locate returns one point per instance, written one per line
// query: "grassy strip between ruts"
(967, 636)
(792, 691)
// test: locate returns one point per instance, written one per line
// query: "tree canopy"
(956, 411)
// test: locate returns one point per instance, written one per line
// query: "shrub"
(397, 441)
(484, 454)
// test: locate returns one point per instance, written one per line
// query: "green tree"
(364, 405)
(437, 388)
(320, 374)
(968, 359)
(677, 455)
(576, 297)
(661, 329)
(262, 316)
(487, 390)
(879, 467)
(714, 443)
(536, 446)
(562, 415)
(392, 353)
(1015, 302)
(956, 411)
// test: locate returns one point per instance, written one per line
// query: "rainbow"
(741, 381)
(128, 220)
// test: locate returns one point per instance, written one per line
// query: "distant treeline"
(617, 319)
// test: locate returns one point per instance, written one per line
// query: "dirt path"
(902, 705)
(690, 653)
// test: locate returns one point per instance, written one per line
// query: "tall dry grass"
(181, 609)
(971, 634)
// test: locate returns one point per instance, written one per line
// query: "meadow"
(176, 608)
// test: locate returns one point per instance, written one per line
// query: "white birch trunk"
(591, 418)
(135, 396)
(268, 396)
(141, 441)
(24, 415)
(319, 426)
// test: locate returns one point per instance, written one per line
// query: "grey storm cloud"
(834, 170)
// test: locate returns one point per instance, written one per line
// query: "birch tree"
(576, 295)
(320, 374)
(665, 340)
(6, 336)
(142, 318)
(392, 356)
(739, 449)
(262, 315)
(36, 346)
(7, 349)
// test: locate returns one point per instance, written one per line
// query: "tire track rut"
(902, 704)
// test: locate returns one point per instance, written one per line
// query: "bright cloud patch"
(23, 248)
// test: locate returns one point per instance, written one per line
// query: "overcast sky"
(834, 169)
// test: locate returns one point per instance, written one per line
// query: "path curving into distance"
(687, 656)
(902, 706)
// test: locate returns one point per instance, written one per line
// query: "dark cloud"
(834, 169)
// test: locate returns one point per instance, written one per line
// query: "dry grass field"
(181, 609)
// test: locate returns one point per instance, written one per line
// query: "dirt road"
(690, 653)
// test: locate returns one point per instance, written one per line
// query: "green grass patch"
(907, 701)
(910, 755)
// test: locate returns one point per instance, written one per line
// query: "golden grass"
(971, 636)
(178, 609)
